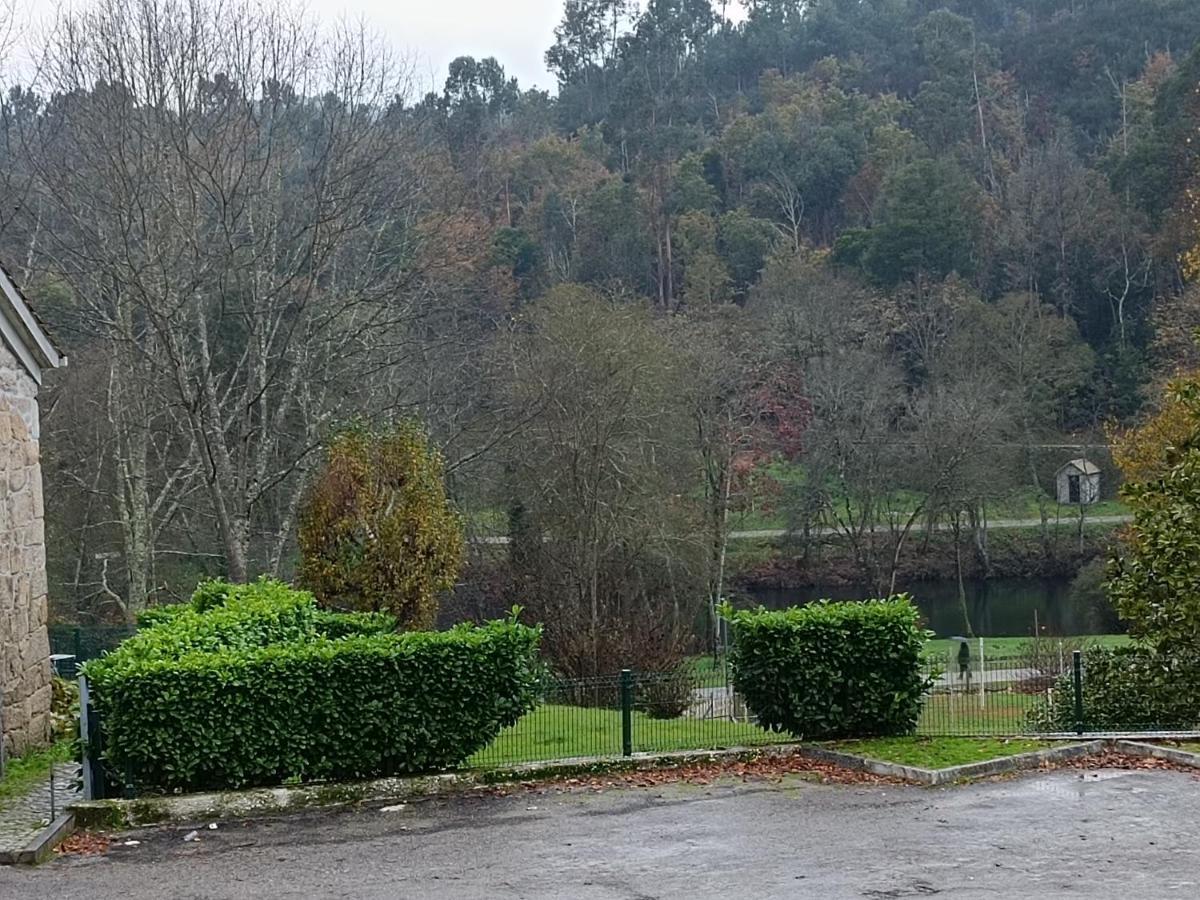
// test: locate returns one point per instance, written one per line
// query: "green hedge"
(263, 594)
(831, 670)
(252, 693)
(253, 615)
(1124, 689)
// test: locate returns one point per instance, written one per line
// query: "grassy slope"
(938, 753)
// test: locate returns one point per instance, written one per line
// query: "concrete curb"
(203, 808)
(1005, 764)
(1179, 757)
(40, 848)
(200, 808)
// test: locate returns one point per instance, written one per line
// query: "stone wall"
(24, 643)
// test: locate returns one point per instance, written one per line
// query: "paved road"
(774, 533)
(1107, 834)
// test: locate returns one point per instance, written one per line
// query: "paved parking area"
(1096, 834)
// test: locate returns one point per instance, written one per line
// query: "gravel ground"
(1068, 833)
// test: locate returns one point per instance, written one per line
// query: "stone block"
(39, 644)
(18, 478)
(35, 488)
(21, 508)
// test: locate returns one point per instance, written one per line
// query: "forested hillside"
(862, 265)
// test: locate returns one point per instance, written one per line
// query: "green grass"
(709, 672)
(938, 753)
(1002, 713)
(564, 732)
(998, 647)
(24, 772)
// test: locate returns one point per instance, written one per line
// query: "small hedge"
(266, 688)
(1124, 689)
(831, 670)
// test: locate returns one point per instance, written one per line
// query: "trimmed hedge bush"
(216, 594)
(1125, 688)
(831, 670)
(252, 693)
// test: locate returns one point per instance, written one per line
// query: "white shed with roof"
(1078, 482)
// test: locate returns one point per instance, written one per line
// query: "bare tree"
(238, 209)
(601, 474)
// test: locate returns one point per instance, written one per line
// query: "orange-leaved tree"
(377, 531)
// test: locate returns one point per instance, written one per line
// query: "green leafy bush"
(831, 670)
(254, 615)
(1124, 688)
(266, 688)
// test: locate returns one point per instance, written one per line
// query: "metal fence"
(83, 642)
(626, 714)
(989, 696)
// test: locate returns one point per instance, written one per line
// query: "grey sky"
(429, 33)
(433, 32)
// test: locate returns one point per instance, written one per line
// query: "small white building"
(1078, 482)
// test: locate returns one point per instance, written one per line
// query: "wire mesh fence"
(73, 645)
(616, 715)
(985, 697)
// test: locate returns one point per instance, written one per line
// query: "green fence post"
(78, 647)
(1077, 664)
(626, 712)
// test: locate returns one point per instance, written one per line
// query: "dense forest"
(856, 265)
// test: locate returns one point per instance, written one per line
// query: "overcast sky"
(433, 32)
(429, 32)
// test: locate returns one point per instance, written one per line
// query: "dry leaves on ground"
(766, 767)
(84, 843)
(1114, 759)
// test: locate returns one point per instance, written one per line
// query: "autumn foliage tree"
(1155, 581)
(377, 531)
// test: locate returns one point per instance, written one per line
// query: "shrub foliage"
(831, 670)
(377, 531)
(1125, 688)
(265, 688)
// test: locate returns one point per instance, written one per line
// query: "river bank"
(790, 562)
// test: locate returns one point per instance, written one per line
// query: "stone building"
(26, 352)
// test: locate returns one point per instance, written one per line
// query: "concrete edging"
(40, 848)
(932, 777)
(206, 807)
(198, 808)
(1179, 757)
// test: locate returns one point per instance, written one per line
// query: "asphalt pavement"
(1071, 834)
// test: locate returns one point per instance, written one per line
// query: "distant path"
(775, 533)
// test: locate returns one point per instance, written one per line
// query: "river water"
(998, 607)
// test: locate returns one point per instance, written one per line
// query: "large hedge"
(253, 693)
(831, 670)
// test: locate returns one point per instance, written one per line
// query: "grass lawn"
(22, 773)
(961, 713)
(999, 647)
(563, 732)
(938, 753)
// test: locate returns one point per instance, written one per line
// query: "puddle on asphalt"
(1073, 785)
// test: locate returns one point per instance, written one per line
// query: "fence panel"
(84, 642)
(585, 718)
